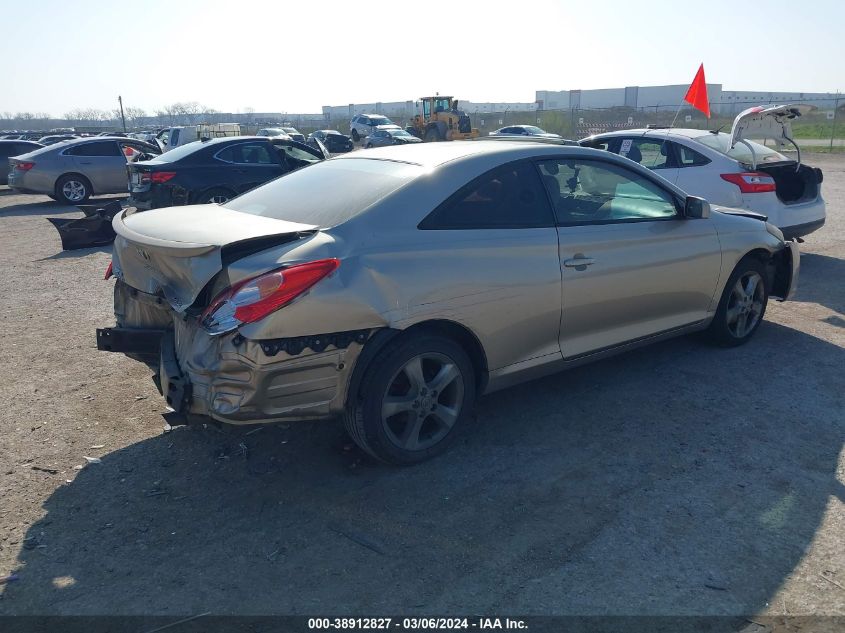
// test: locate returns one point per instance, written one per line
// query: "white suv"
(363, 125)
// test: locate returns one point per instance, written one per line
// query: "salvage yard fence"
(823, 123)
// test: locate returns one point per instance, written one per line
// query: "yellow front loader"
(439, 119)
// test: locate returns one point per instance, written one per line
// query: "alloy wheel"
(73, 191)
(746, 303)
(423, 401)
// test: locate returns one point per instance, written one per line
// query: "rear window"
(328, 193)
(178, 153)
(721, 143)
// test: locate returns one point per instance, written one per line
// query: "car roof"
(658, 132)
(434, 154)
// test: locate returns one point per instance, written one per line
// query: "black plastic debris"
(94, 229)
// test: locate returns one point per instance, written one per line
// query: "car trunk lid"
(774, 122)
(175, 252)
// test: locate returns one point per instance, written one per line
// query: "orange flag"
(697, 93)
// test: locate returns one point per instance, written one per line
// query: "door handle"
(579, 262)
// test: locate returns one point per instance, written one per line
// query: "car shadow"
(42, 205)
(675, 479)
(814, 281)
(77, 253)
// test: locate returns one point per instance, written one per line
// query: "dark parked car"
(13, 148)
(336, 142)
(389, 135)
(215, 170)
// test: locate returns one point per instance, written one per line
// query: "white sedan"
(730, 170)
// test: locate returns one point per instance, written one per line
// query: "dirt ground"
(679, 479)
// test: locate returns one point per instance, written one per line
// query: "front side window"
(648, 152)
(595, 192)
(510, 196)
(98, 148)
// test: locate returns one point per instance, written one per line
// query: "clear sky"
(296, 56)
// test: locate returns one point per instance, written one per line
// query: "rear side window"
(355, 183)
(741, 151)
(246, 154)
(98, 148)
(510, 196)
(690, 158)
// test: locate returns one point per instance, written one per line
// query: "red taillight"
(109, 272)
(751, 181)
(253, 299)
(24, 166)
(158, 177)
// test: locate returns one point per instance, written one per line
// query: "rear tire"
(368, 146)
(73, 189)
(742, 305)
(215, 196)
(415, 396)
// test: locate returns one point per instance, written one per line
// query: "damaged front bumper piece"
(95, 229)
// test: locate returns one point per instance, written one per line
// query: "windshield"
(721, 143)
(533, 129)
(295, 197)
(398, 133)
(290, 130)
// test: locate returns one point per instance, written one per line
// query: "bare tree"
(43, 116)
(7, 116)
(135, 115)
(25, 116)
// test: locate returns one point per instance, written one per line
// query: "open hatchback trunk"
(794, 183)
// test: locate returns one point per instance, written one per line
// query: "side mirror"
(696, 208)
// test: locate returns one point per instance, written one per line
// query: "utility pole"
(833, 125)
(122, 118)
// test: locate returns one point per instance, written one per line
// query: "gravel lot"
(679, 479)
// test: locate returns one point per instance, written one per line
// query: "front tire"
(742, 305)
(414, 398)
(432, 135)
(73, 189)
(355, 136)
(368, 146)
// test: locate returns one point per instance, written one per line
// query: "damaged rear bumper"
(232, 379)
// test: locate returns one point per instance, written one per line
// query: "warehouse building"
(670, 97)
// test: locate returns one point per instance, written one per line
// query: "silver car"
(72, 171)
(524, 130)
(385, 135)
(391, 288)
